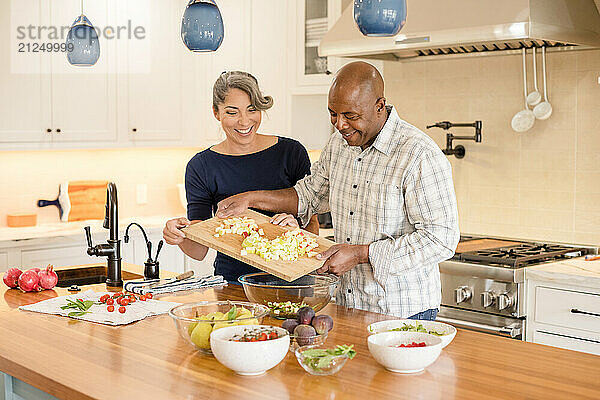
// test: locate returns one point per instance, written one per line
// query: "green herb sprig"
(82, 305)
(319, 359)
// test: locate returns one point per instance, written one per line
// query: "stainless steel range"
(483, 284)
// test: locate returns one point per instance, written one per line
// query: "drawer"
(567, 342)
(556, 306)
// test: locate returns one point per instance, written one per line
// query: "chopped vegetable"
(80, 305)
(282, 309)
(256, 335)
(413, 344)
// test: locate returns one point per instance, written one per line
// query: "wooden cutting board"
(79, 200)
(483, 244)
(231, 244)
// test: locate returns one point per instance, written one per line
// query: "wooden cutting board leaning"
(231, 244)
(79, 200)
(483, 244)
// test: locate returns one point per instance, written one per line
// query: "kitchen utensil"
(160, 245)
(524, 119)
(79, 200)
(448, 331)
(313, 290)
(186, 319)
(406, 360)
(544, 109)
(21, 220)
(178, 278)
(231, 244)
(249, 358)
(534, 97)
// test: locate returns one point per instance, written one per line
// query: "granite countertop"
(575, 271)
(75, 228)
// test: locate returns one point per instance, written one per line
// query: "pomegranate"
(11, 277)
(48, 278)
(29, 281)
(35, 269)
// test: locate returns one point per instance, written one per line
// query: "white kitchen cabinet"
(3, 260)
(309, 21)
(152, 79)
(563, 315)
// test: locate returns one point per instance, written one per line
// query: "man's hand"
(234, 205)
(172, 232)
(343, 257)
(285, 220)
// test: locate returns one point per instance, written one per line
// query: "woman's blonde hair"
(243, 81)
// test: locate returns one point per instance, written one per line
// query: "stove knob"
(505, 300)
(488, 298)
(462, 294)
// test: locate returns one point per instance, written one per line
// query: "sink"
(88, 276)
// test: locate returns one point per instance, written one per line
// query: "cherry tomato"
(122, 309)
(142, 298)
(132, 300)
(273, 335)
(262, 337)
(124, 301)
(104, 298)
(110, 301)
(110, 308)
(148, 295)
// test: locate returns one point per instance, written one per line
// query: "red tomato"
(273, 335)
(110, 301)
(262, 337)
(110, 308)
(148, 295)
(132, 299)
(122, 309)
(104, 298)
(142, 298)
(124, 301)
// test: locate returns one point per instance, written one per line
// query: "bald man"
(390, 192)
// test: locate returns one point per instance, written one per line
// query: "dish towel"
(98, 312)
(192, 283)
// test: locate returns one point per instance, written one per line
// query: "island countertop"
(73, 359)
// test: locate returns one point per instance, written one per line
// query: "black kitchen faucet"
(459, 150)
(111, 249)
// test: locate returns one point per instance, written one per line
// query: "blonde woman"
(246, 160)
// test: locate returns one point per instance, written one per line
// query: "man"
(389, 188)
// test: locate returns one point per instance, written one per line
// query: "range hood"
(443, 27)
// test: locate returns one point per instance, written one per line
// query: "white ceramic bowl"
(249, 358)
(384, 326)
(406, 360)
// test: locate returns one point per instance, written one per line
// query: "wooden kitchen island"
(72, 359)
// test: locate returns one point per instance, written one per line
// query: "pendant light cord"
(81, 7)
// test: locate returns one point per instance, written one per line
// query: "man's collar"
(385, 139)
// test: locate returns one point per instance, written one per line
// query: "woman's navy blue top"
(211, 177)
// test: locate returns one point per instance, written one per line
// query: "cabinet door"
(153, 70)
(83, 98)
(3, 261)
(58, 256)
(24, 76)
(567, 342)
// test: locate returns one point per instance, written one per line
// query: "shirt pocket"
(386, 204)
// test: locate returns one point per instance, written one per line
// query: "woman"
(245, 160)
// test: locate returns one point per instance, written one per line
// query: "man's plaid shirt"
(397, 196)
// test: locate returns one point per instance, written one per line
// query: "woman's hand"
(285, 220)
(172, 232)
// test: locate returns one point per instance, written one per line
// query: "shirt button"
(351, 212)
(354, 186)
(349, 290)
(347, 239)
(360, 159)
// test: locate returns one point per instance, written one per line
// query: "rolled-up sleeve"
(431, 208)
(313, 190)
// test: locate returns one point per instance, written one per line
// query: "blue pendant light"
(202, 26)
(380, 17)
(83, 46)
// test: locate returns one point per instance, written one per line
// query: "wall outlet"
(141, 193)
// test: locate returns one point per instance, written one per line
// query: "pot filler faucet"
(111, 249)
(458, 151)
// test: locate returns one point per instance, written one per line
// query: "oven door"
(482, 322)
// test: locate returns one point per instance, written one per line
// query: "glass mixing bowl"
(285, 298)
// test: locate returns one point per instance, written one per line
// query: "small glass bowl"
(316, 340)
(336, 364)
(184, 318)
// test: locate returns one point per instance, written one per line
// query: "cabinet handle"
(576, 311)
(134, 130)
(49, 130)
(58, 130)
